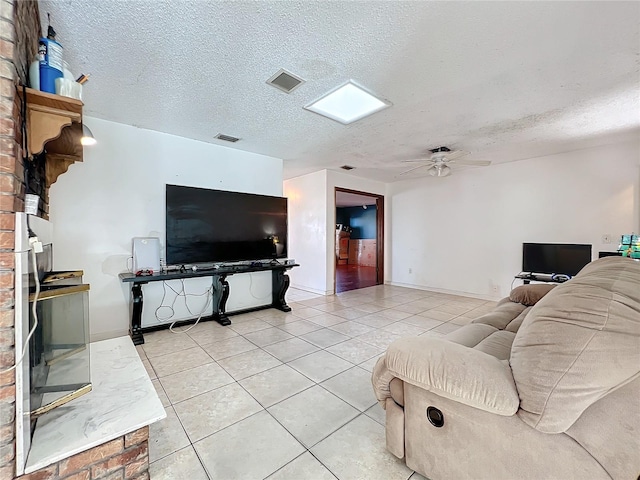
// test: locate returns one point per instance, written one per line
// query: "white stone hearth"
(123, 399)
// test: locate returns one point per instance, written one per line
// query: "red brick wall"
(125, 458)
(19, 32)
(8, 167)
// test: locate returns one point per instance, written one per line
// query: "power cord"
(184, 294)
(251, 289)
(162, 305)
(251, 286)
(206, 305)
(34, 247)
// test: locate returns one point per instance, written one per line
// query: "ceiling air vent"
(227, 138)
(285, 81)
(347, 167)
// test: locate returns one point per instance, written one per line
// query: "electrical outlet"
(495, 289)
(607, 238)
(410, 270)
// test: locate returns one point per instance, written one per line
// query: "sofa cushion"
(497, 344)
(488, 338)
(514, 325)
(471, 335)
(609, 428)
(502, 315)
(530, 294)
(580, 342)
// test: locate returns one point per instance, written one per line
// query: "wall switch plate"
(607, 238)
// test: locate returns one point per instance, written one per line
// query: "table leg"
(135, 329)
(220, 295)
(279, 286)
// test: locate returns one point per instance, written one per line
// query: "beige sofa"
(544, 392)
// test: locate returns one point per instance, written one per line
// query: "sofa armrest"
(450, 370)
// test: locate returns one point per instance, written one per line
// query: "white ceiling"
(502, 80)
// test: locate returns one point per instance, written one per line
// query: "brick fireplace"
(125, 458)
(19, 31)
(122, 455)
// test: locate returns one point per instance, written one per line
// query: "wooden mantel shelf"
(54, 124)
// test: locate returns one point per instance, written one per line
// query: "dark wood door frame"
(379, 230)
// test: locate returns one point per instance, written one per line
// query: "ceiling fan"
(440, 160)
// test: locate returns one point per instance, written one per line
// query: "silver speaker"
(146, 254)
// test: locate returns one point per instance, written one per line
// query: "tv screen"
(560, 258)
(205, 226)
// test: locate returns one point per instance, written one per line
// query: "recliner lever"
(435, 416)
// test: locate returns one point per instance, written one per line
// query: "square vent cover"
(285, 81)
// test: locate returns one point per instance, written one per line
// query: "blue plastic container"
(50, 53)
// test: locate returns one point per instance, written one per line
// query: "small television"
(558, 258)
(216, 226)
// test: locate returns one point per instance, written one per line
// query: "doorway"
(359, 244)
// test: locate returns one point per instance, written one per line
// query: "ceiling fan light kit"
(439, 171)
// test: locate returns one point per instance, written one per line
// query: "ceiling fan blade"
(415, 168)
(454, 154)
(415, 160)
(477, 163)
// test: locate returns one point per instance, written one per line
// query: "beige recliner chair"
(546, 392)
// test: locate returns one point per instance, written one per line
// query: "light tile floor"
(288, 395)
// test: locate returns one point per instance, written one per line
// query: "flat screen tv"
(559, 258)
(215, 226)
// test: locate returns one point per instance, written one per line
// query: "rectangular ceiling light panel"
(347, 104)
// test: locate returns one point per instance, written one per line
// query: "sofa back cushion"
(578, 343)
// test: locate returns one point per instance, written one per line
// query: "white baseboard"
(444, 290)
(311, 290)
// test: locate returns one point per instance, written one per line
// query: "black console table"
(279, 285)
(537, 277)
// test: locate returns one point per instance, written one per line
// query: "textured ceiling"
(502, 80)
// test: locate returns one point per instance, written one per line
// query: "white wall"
(464, 233)
(118, 192)
(312, 218)
(307, 222)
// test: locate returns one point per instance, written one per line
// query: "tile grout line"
(192, 444)
(314, 383)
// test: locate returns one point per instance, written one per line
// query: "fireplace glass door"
(59, 348)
